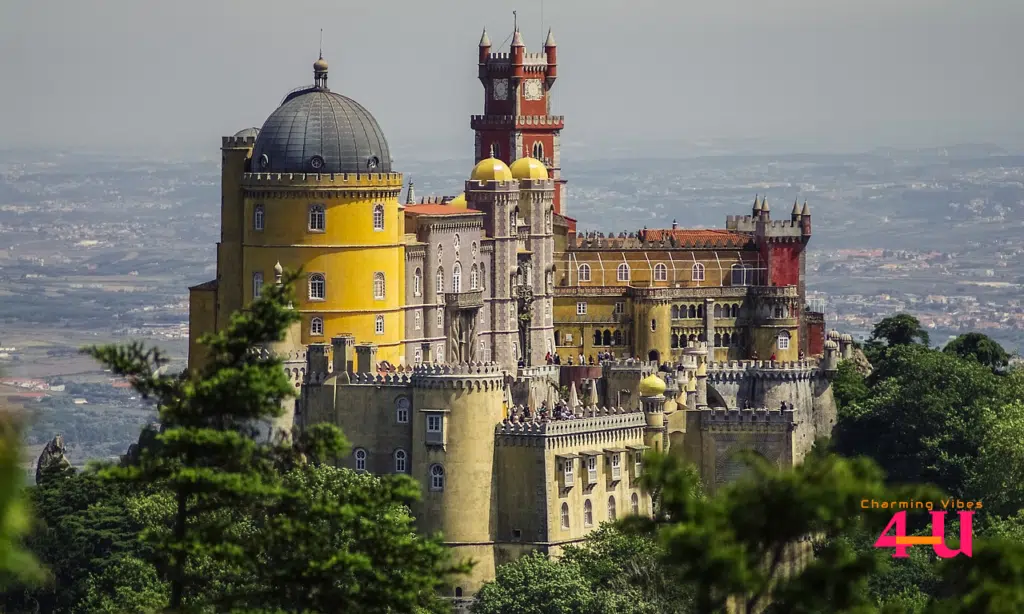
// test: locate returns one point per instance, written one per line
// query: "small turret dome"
(652, 386)
(848, 338)
(320, 65)
(691, 385)
(831, 345)
(459, 202)
(702, 370)
(491, 169)
(833, 334)
(528, 168)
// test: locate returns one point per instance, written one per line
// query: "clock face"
(501, 89)
(532, 89)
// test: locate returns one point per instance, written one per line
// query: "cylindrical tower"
(652, 400)
(458, 407)
(654, 330)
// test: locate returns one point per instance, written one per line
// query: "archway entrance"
(654, 355)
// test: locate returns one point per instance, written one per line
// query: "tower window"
(588, 513)
(417, 283)
(584, 272)
(483, 276)
(457, 278)
(440, 319)
(378, 217)
(317, 220)
(654, 325)
(317, 287)
(634, 502)
(474, 279)
(257, 284)
(417, 357)
(316, 326)
(360, 455)
(538, 150)
(417, 319)
(440, 280)
(401, 461)
(782, 341)
(436, 478)
(611, 507)
(697, 272)
(378, 286)
(378, 325)
(565, 515)
(257, 217)
(495, 150)
(660, 272)
(622, 272)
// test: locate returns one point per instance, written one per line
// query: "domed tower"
(536, 210)
(652, 400)
(493, 190)
(315, 190)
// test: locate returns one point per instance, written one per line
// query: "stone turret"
(652, 400)
(831, 363)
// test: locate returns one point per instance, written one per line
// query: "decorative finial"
(321, 43)
(278, 272)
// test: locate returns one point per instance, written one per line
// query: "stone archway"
(715, 398)
(654, 355)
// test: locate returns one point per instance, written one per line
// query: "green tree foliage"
(925, 418)
(849, 387)
(535, 584)
(991, 581)
(998, 478)
(980, 348)
(17, 564)
(736, 544)
(900, 329)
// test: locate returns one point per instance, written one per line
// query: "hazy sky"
(836, 73)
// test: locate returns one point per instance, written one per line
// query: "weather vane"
(515, 21)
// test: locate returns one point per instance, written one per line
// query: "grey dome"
(247, 132)
(318, 131)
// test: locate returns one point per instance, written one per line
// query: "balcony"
(472, 299)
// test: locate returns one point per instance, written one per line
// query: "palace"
(517, 367)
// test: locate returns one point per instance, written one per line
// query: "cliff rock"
(53, 459)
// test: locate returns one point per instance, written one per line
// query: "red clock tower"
(517, 120)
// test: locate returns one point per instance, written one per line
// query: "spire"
(796, 207)
(757, 204)
(485, 41)
(764, 205)
(517, 39)
(806, 210)
(410, 196)
(550, 42)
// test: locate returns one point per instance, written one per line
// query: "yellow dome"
(459, 202)
(691, 385)
(652, 386)
(491, 169)
(702, 370)
(528, 168)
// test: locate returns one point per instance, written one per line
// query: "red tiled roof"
(438, 210)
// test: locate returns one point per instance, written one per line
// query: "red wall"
(815, 335)
(784, 264)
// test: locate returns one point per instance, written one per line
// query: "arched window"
(782, 341)
(634, 502)
(675, 312)
(360, 455)
(472, 250)
(618, 337)
(495, 150)
(474, 278)
(513, 226)
(622, 272)
(588, 513)
(316, 326)
(456, 243)
(458, 592)
(378, 325)
(611, 507)
(483, 276)
(700, 311)
(440, 280)
(317, 220)
(440, 319)
(726, 341)
(718, 311)
(584, 272)
(654, 325)
(378, 217)
(660, 272)
(417, 357)
(718, 340)
(697, 272)
(257, 217)
(538, 150)
(735, 311)
(457, 278)
(565, 515)
(607, 337)
(417, 282)
(257, 284)
(675, 340)
(597, 337)
(691, 312)
(317, 287)
(378, 286)
(418, 321)
(436, 477)
(400, 461)
(440, 253)
(402, 410)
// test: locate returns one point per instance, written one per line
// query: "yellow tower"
(314, 191)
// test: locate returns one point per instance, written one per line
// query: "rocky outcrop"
(53, 460)
(860, 362)
(146, 439)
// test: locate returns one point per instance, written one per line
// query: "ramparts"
(767, 369)
(594, 420)
(338, 180)
(748, 419)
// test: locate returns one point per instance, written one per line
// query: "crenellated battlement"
(537, 184)
(237, 142)
(593, 420)
(472, 185)
(289, 356)
(307, 180)
(765, 369)
(538, 372)
(479, 375)
(555, 122)
(381, 379)
(758, 419)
